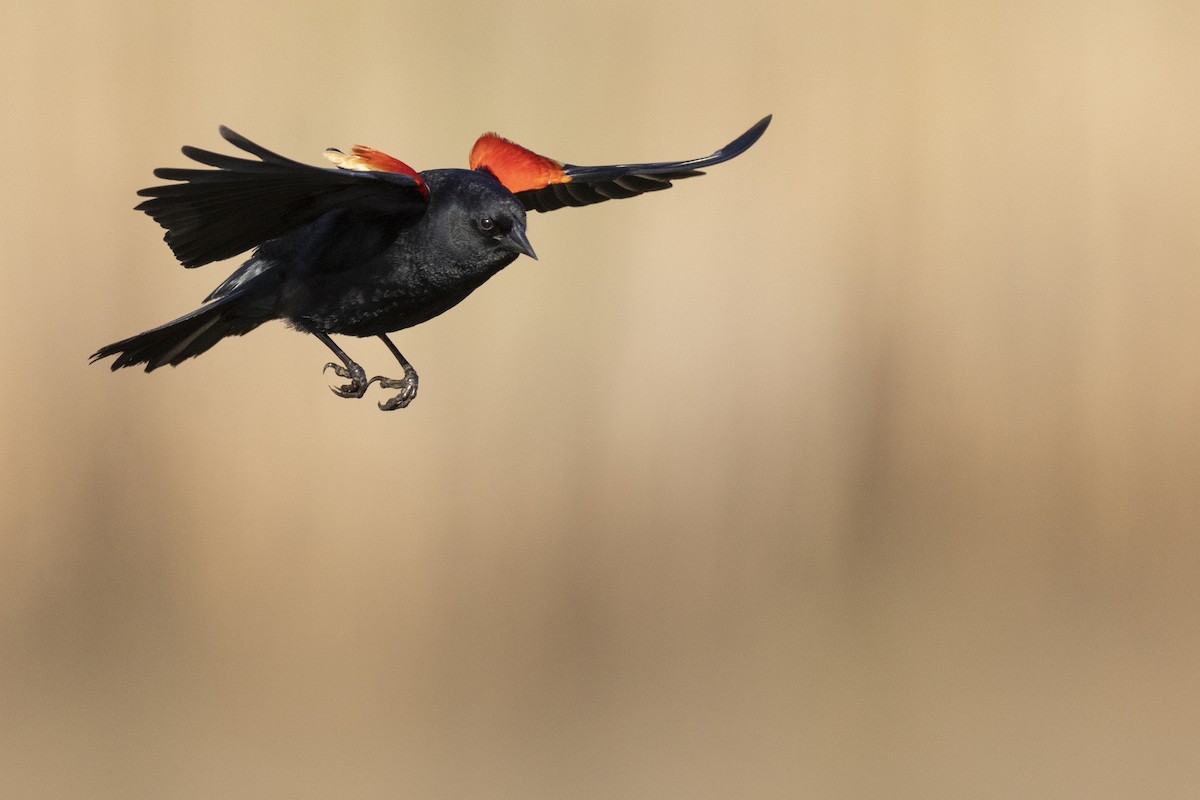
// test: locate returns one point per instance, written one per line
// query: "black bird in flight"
(365, 249)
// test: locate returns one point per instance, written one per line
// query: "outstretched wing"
(211, 214)
(544, 184)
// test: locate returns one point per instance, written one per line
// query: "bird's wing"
(544, 184)
(211, 214)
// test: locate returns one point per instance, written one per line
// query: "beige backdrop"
(866, 466)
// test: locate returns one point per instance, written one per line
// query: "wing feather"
(544, 184)
(211, 214)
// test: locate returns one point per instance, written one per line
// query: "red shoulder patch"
(368, 159)
(519, 169)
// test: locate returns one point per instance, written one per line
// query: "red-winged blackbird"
(366, 249)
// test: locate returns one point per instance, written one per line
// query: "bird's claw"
(358, 384)
(407, 386)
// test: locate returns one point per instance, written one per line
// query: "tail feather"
(183, 338)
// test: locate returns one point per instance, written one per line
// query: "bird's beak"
(519, 242)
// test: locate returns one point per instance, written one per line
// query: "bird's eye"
(487, 224)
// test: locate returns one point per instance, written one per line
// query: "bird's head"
(479, 220)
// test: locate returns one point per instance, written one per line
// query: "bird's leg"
(407, 385)
(358, 384)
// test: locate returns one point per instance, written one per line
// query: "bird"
(364, 248)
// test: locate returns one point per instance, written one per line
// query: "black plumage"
(365, 250)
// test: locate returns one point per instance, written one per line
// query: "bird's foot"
(407, 386)
(358, 384)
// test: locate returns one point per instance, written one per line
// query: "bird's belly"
(372, 309)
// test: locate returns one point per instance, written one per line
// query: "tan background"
(866, 466)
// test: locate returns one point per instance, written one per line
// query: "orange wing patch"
(519, 169)
(368, 159)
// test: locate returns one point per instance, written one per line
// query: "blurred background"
(866, 466)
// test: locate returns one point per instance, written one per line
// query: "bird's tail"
(186, 337)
